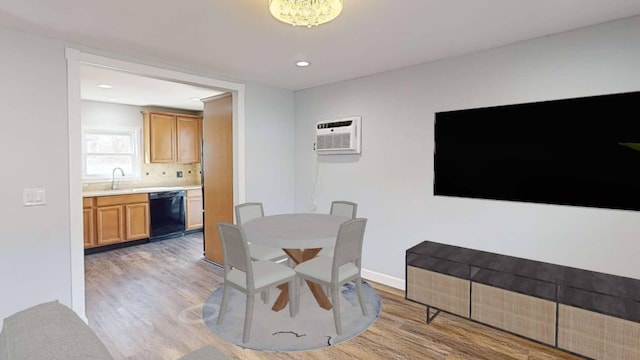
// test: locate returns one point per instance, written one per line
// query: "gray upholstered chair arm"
(206, 353)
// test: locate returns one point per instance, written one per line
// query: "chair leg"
(360, 296)
(248, 316)
(297, 310)
(335, 304)
(225, 300)
(293, 296)
(292, 264)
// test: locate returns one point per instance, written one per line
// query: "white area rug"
(312, 328)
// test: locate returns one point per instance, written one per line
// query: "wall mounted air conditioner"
(338, 136)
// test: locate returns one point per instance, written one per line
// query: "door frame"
(77, 58)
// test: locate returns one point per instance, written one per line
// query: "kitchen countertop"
(140, 190)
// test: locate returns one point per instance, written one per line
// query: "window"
(105, 150)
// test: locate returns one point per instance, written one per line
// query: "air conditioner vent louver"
(334, 141)
(339, 136)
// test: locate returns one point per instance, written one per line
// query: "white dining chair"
(344, 266)
(250, 277)
(344, 208)
(250, 211)
(340, 208)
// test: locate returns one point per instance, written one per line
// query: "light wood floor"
(144, 302)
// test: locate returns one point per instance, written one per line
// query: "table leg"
(296, 255)
(283, 298)
(318, 293)
(299, 256)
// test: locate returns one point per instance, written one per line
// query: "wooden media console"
(583, 312)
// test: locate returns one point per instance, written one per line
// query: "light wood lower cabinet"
(194, 209)
(110, 225)
(89, 222)
(116, 219)
(136, 221)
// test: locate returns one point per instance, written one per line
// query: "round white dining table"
(301, 237)
(294, 231)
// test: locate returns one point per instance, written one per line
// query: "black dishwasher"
(167, 214)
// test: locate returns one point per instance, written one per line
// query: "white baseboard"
(383, 279)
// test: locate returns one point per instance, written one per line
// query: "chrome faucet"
(115, 184)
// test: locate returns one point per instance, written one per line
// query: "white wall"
(393, 179)
(97, 114)
(103, 114)
(270, 148)
(34, 241)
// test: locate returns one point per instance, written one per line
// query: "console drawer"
(596, 335)
(520, 314)
(440, 291)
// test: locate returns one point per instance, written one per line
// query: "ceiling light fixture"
(302, 63)
(105, 86)
(307, 13)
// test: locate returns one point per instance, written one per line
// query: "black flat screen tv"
(581, 152)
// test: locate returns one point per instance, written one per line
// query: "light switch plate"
(34, 197)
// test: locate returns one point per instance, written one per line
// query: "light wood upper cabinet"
(188, 130)
(161, 129)
(172, 138)
(194, 209)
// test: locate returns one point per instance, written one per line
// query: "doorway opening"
(75, 60)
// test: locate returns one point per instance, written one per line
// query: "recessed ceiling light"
(112, 99)
(104, 86)
(195, 99)
(303, 63)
